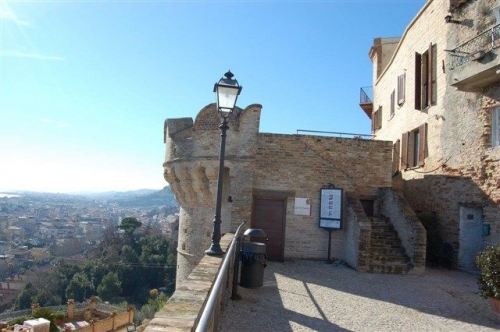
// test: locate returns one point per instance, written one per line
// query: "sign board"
(302, 207)
(330, 208)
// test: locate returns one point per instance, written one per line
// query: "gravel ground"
(315, 296)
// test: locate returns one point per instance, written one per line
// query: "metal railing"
(366, 95)
(336, 134)
(484, 42)
(207, 316)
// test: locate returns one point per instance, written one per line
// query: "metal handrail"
(339, 134)
(483, 42)
(365, 95)
(211, 305)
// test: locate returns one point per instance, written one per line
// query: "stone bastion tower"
(191, 169)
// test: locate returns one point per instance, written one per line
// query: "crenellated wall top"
(208, 119)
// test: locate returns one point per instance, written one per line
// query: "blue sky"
(85, 86)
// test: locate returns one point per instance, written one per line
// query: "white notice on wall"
(302, 206)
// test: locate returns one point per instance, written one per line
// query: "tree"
(79, 288)
(24, 299)
(129, 225)
(110, 287)
(45, 298)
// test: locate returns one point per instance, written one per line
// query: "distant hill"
(144, 198)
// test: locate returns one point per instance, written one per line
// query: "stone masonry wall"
(358, 235)
(191, 169)
(299, 165)
(461, 166)
(303, 164)
(410, 230)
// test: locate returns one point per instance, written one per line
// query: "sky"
(85, 86)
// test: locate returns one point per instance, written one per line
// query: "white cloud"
(36, 56)
(6, 14)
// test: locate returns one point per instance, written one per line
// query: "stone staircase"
(386, 255)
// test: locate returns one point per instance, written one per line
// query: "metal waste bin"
(253, 260)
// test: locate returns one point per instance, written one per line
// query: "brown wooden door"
(269, 215)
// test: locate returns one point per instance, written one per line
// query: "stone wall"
(293, 165)
(184, 308)
(410, 230)
(461, 166)
(358, 234)
(302, 165)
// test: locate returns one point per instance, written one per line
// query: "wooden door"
(269, 215)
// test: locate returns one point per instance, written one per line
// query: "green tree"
(79, 288)
(24, 299)
(110, 287)
(129, 225)
(46, 298)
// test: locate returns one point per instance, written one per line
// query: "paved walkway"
(315, 296)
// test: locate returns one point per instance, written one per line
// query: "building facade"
(436, 97)
(273, 182)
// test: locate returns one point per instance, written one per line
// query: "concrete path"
(315, 296)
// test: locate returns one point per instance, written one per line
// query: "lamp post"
(227, 91)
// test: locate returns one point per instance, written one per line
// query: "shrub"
(488, 261)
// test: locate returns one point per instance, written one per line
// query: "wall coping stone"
(183, 309)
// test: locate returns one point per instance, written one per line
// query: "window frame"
(495, 127)
(393, 103)
(401, 88)
(425, 78)
(414, 148)
(377, 119)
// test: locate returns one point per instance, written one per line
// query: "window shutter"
(422, 143)
(401, 88)
(395, 157)
(433, 74)
(411, 148)
(374, 120)
(424, 81)
(379, 118)
(393, 102)
(404, 151)
(418, 76)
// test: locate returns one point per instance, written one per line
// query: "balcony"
(476, 63)
(365, 100)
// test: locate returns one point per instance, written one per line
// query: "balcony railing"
(476, 47)
(366, 95)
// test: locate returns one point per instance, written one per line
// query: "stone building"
(436, 97)
(267, 176)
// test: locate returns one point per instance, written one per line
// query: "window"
(393, 104)
(495, 127)
(413, 146)
(377, 119)
(425, 78)
(395, 157)
(401, 88)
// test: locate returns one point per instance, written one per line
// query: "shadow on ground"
(312, 295)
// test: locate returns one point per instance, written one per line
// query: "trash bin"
(253, 262)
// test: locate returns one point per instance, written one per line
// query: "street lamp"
(227, 91)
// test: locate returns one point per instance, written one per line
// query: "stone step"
(389, 260)
(393, 269)
(387, 236)
(378, 243)
(388, 251)
(387, 255)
